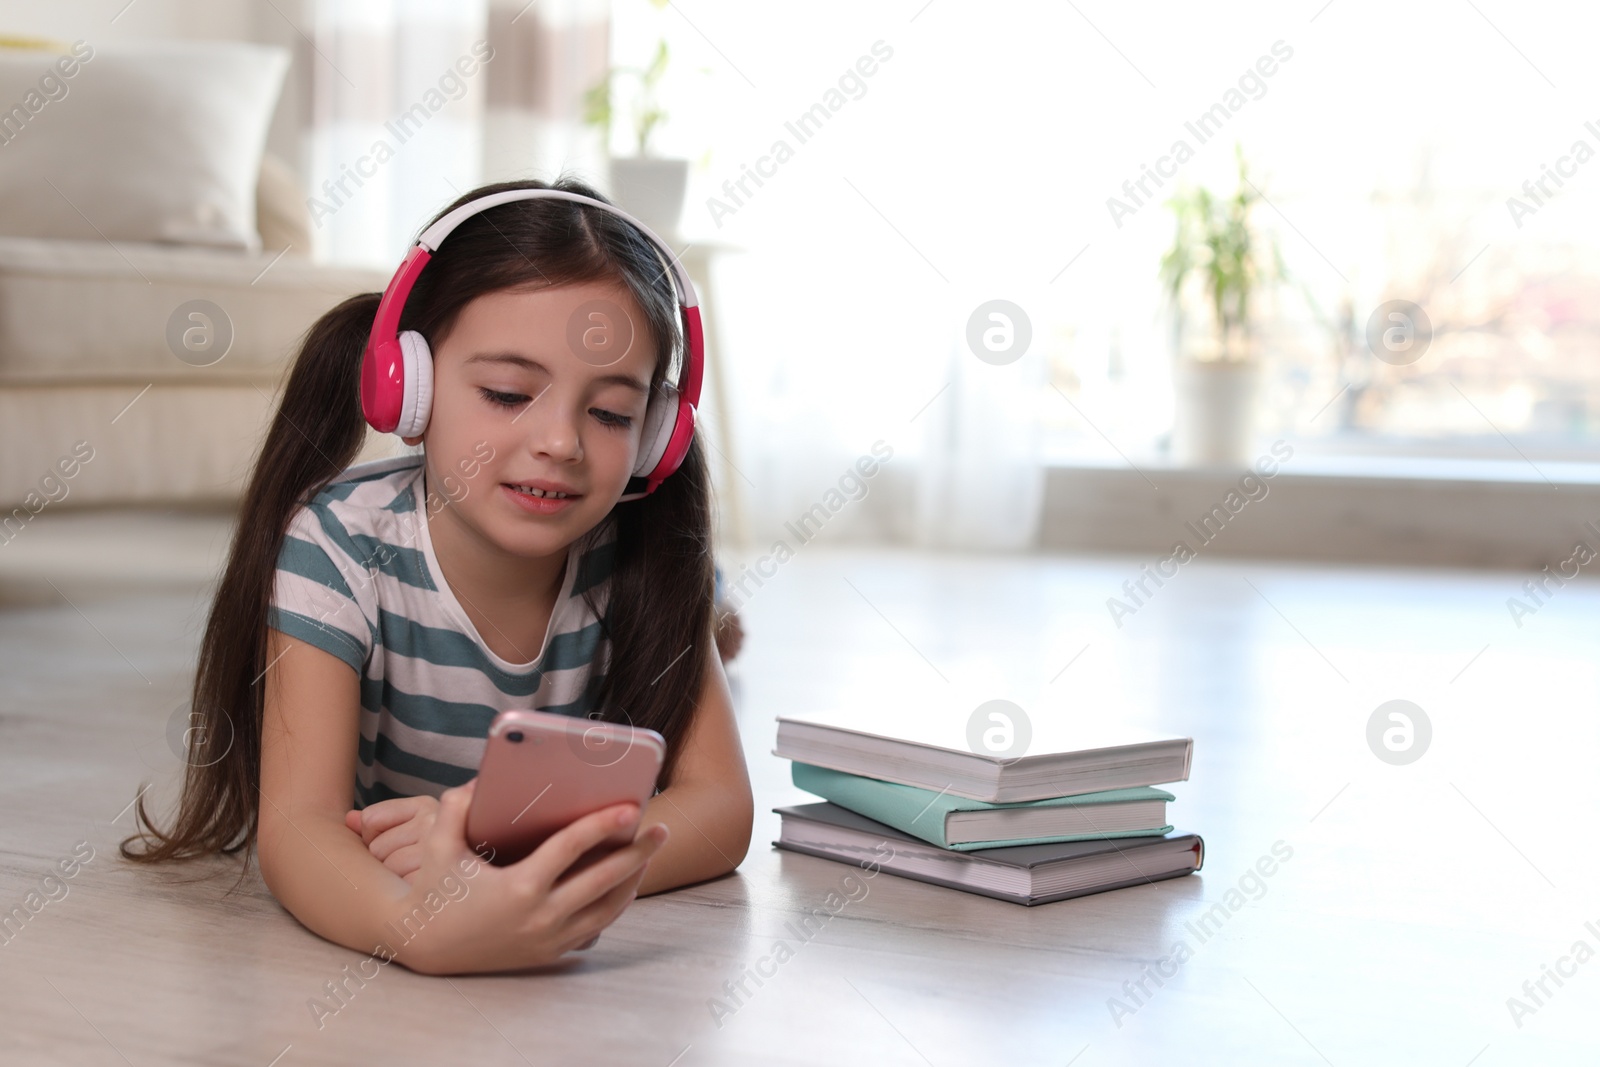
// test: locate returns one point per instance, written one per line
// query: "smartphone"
(541, 772)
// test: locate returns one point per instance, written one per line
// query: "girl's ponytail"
(317, 432)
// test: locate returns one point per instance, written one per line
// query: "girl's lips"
(538, 505)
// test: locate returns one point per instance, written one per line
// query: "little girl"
(543, 551)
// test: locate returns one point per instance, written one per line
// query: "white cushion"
(141, 142)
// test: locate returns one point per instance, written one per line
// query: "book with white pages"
(1067, 753)
(1024, 874)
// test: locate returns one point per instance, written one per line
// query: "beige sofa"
(86, 355)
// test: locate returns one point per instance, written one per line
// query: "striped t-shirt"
(357, 577)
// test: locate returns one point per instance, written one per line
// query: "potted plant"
(1217, 371)
(648, 187)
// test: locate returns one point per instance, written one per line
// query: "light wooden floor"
(1417, 900)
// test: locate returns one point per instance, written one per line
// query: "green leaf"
(1214, 241)
(658, 64)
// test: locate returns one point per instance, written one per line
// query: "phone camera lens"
(514, 736)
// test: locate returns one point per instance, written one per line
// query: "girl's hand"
(393, 830)
(527, 914)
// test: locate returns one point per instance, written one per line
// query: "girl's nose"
(554, 433)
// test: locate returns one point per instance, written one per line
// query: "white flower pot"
(651, 190)
(1214, 424)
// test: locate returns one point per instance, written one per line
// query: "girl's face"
(538, 391)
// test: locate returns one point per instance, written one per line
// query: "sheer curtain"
(980, 476)
(829, 364)
(546, 55)
(858, 260)
(396, 125)
(416, 101)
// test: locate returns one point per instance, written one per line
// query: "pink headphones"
(397, 369)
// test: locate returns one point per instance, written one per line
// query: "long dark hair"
(658, 616)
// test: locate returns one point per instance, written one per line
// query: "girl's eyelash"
(511, 400)
(505, 400)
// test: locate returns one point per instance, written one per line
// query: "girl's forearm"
(709, 835)
(324, 875)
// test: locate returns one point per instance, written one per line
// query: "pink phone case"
(540, 772)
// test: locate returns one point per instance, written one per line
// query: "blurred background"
(1004, 302)
(1199, 237)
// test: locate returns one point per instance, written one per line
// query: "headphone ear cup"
(678, 441)
(660, 417)
(417, 403)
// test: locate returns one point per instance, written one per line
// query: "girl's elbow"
(741, 828)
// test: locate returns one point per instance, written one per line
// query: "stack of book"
(1077, 813)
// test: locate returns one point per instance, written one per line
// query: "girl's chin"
(516, 539)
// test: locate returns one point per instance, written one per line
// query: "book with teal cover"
(923, 813)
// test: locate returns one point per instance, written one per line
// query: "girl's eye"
(511, 400)
(504, 400)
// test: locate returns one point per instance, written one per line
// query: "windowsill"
(1414, 510)
(1405, 468)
